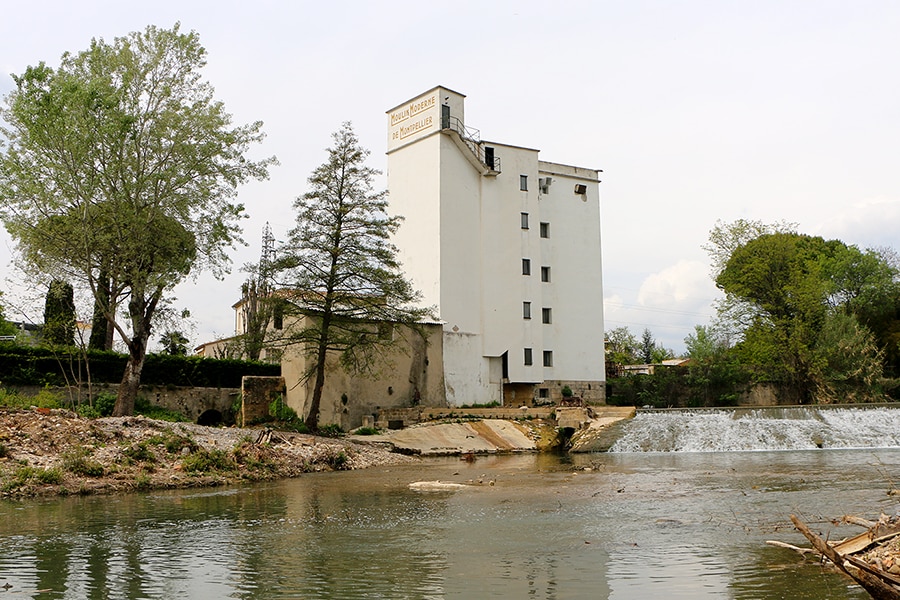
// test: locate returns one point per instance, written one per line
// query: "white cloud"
(867, 223)
(669, 303)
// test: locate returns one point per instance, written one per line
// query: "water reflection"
(604, 526)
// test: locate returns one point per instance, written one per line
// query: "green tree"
(174, 343)
(343, 268)
(622, 348)
(6, 328)
(120, 174)
(59, 314)
(705, 343)
(804, 293)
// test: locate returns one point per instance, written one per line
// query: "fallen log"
(873, 583)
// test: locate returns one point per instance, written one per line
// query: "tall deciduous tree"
(343, 268)
(120, 173)
(815, 303)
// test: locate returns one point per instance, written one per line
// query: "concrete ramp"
(480, 437)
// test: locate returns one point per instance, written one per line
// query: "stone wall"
(195, 403)
(257, 394)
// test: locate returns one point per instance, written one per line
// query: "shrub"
(566, 392)
(338, 461)
(205, 461)
(139, 452)
(366, 431)
(79, 463)
(331, 430)
(143, 407)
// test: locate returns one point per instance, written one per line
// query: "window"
(528, 360)
(523, 183)
(526, 310)
(545, 274)
(545, 230)
(524, 220)
(543, 392)
(526, 266)
(546, 315)
(548, 358)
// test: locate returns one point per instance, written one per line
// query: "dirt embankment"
(49, 452)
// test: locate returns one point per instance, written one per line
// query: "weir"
(758, 429)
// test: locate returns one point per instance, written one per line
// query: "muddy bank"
(52, 452)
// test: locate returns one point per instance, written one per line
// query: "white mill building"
(506, 246)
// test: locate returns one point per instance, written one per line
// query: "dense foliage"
(119, 175)
(23, 365)
(820, 317)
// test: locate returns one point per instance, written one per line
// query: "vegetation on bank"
(55, 452)
(810, 320)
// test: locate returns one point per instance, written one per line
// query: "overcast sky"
(696, 111)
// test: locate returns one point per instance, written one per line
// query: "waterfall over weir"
(775, 428)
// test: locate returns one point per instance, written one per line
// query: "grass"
(44, 399)
(206, 461)
(25, 475)
(79, 463)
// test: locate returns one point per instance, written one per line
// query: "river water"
(614, 525)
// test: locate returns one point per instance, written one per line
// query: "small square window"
(524, 220)
(528, 360)
(545, 230)
(523, 183)
(545, 274)
(546, 316)
(526, 266)
(543, 392)
(526, 310)
(548, 358)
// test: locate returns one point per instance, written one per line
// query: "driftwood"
(880, 584)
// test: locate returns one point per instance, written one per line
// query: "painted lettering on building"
(408, 120)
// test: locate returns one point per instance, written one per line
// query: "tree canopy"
(816, 311)
(120, 174)
(342, 268)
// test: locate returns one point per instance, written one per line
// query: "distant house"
(649, 369)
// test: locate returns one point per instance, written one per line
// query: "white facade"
(492, 232)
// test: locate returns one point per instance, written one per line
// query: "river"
(617, 525)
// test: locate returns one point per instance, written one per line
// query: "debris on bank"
(871, 558)
(57, 452)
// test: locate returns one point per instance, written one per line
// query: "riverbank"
(47, 452)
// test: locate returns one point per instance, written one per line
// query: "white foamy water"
(788, 428)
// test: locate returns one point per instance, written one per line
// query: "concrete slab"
(480, 437)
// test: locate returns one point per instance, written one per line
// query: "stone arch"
(210, 417)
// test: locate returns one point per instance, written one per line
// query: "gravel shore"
(56, 452)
